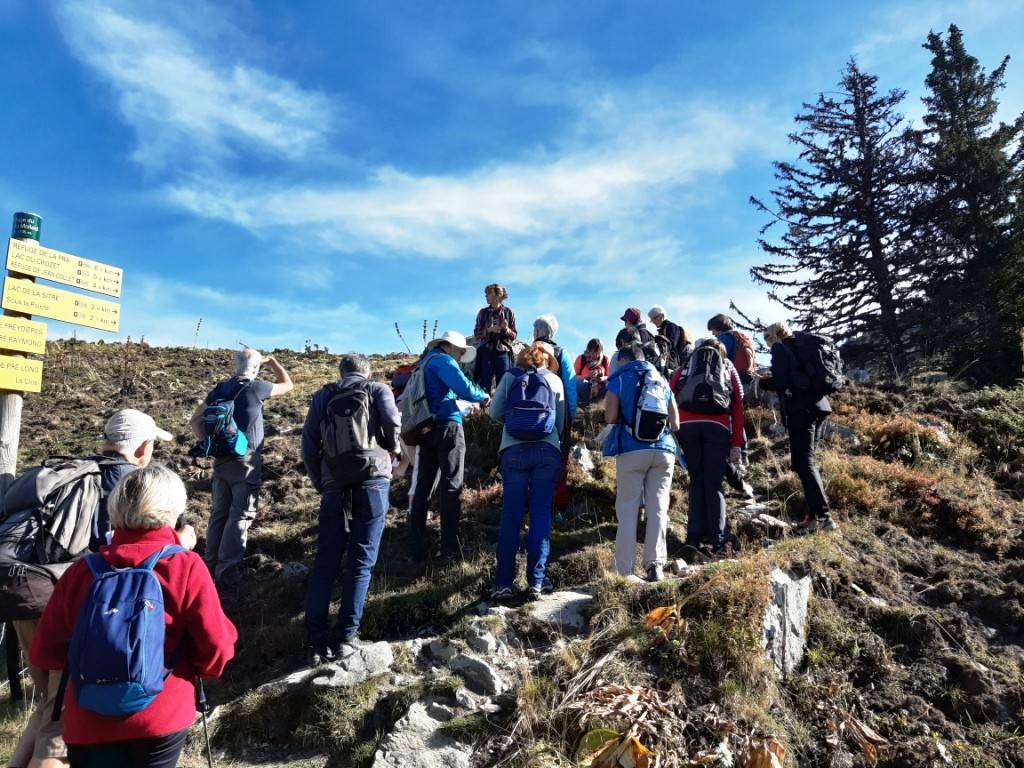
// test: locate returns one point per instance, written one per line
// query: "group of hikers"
(667, 400)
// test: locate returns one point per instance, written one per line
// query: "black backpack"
(820, 366)
(655, 348)
(707, 386)
(348, 434)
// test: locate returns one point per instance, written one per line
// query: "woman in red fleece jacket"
(144, 507)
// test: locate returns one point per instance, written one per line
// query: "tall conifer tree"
(844, 261)
(972, 213)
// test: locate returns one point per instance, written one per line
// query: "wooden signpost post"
(22, 298)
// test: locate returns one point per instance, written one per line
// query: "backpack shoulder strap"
(98, 564)
(245, 383)
(164, 551)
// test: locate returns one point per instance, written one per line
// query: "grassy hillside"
(916, 636)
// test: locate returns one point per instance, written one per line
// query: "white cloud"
(631, 174)
(188, 107)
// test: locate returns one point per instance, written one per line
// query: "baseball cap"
(130, 424)
(631, 315)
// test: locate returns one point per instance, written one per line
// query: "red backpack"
(743, 352)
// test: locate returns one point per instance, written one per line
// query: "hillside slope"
(916, 630)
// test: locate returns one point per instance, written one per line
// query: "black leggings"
(805, 430)
(156, 752)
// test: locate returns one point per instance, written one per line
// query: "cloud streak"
(186, 106)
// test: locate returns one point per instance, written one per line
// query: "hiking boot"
(346, 648)
(451, 559)
(655, 573)
(415, 560)
(692, 555)
(315, 655)
(501, 594)
(544, 588)
(231, 577)
(814, 524)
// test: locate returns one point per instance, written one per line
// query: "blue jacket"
(623, 383)
(444, 381)
(568, 376)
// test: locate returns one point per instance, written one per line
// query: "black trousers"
(157, 752)
(805, 430)
(445, 452)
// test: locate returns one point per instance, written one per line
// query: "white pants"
(642, 476)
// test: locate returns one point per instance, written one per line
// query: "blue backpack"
(223, 437)
(529, 406)
(116, 660)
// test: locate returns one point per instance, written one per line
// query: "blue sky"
(293, 170)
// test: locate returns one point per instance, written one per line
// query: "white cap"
(130, 424)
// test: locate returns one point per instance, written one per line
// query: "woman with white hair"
(199, 637)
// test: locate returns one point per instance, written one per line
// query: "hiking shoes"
(315, 655)
(544, 588)
(501, 594)
(347, 648)
(655, 573)
(814, 524)
(693, 555)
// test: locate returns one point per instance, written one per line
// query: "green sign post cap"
(27, 226)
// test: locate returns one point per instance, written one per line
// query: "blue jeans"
(526, 469)
(491, 365)
(444, 451)
(706, 448)
(351, 518)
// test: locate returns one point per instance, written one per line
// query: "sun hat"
(457, 340)
(631, 315)
(130, 424)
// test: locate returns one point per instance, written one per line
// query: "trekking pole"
(204, 707)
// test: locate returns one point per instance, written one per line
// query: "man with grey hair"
(679, 345)
(544, 329)
(348, 441)
(237, 479)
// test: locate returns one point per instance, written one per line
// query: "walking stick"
(204, 707)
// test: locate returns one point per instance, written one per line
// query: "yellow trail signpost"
(28, 258)
(21, 335)
(21, 374)
(56, 304)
